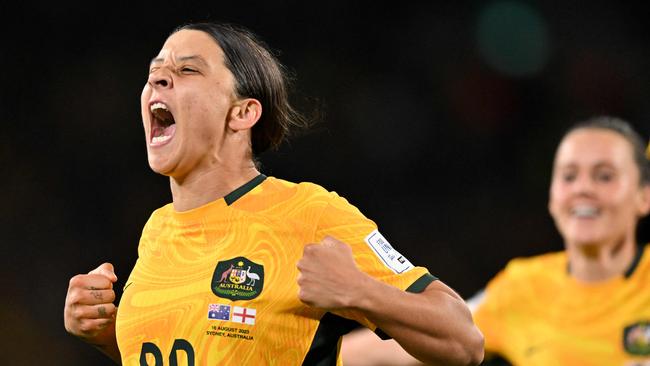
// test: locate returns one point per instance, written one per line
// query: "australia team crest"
(636, 338)
(238, 279)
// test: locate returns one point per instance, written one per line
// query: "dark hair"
(259, 75)
(625, 130)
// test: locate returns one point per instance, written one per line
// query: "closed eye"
(568, 176)
(604, 176)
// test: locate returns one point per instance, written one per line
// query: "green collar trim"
(233, 196)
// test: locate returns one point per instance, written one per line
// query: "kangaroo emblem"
(225, 273)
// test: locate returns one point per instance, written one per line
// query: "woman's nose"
(160, 79)
(584, 184)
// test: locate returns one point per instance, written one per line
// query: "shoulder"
(282, 198)
(643, 266)
(527, 272)
(158, 218)
(538, 265)
(277, 184)
(303, 191)
(522, 279)
(161, 212)
(326, 207)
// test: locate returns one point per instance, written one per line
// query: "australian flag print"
(219, 312)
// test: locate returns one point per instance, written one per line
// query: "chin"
(584, 241)
(159, 167)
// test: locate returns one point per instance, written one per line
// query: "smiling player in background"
(587, 305)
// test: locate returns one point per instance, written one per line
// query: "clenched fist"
(329, 278)
(89, 310)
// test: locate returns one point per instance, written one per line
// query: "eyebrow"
(599, 164)
(196, 58)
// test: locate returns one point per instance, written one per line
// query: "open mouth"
(163, 125)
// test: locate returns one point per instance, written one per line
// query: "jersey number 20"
(179, 345)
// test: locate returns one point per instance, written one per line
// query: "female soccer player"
(590, 304)
(586, 305)
(241, 268)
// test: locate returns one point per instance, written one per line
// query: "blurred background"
(439, 122)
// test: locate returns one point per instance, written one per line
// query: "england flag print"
(243, 315)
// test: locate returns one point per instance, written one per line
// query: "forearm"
(355, 346)
(107, 344)
(434, 326)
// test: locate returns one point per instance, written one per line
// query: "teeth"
(162, 113)
(159, 139)
(158, 105)
(584, 211)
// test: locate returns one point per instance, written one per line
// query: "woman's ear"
(244, 114)
(644, 200)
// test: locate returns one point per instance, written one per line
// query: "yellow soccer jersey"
(534, 313)
(217, 285)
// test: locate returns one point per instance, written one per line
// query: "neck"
(206, 186)
(596, 263)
